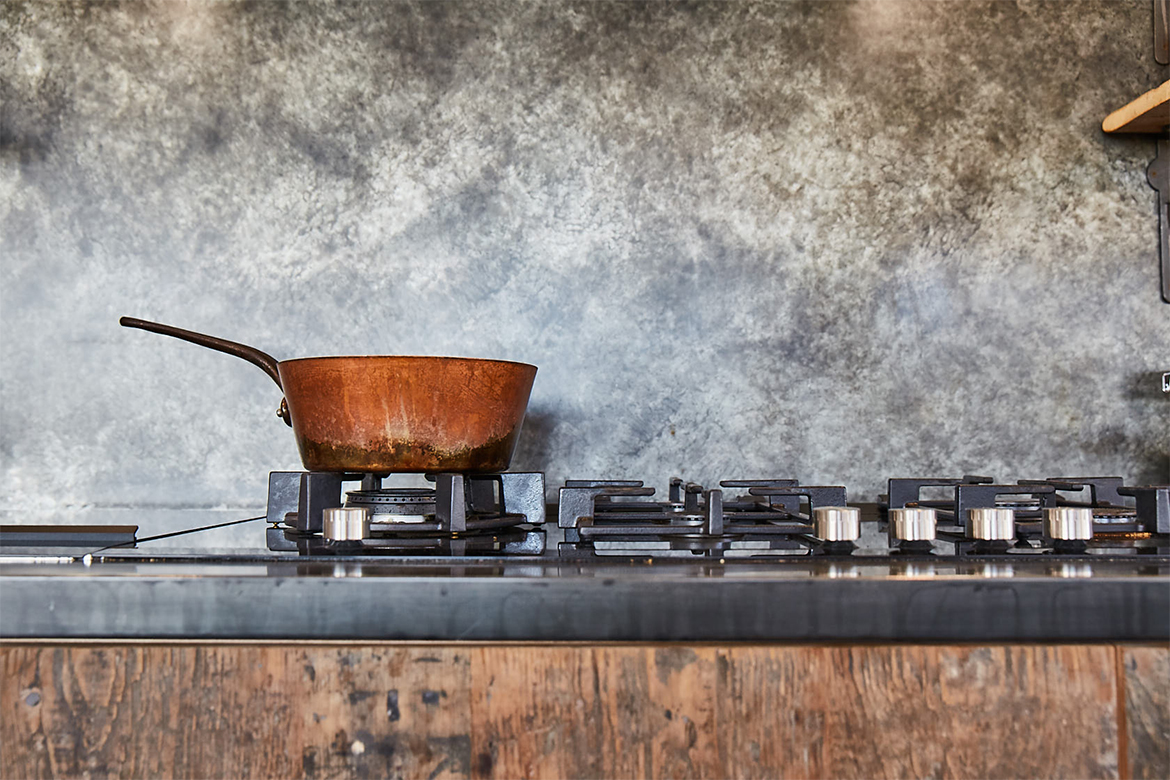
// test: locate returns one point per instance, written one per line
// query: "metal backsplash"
(825, 240)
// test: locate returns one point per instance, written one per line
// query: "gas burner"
(977, 516)
(394, 504)
(770, 517)
(464, 514)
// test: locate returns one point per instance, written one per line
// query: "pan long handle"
(266, 362)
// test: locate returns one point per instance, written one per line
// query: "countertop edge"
(602, 610)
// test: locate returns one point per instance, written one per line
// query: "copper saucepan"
(391, 414)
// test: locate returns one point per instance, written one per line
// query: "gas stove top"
(484, 557)
(463, 514)
(487, 515)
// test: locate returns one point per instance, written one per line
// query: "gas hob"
(487, 515)
(486, 557)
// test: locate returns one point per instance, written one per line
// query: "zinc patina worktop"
(175, 595)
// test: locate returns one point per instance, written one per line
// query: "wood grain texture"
(1147, 711)
(630, 711)
(317, 711)
(1147, 113)
(233, 711)
(919, 712)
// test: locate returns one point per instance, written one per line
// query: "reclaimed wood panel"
(1147, 711)
(617, 711)
(798, 712)
(386, 712)
(989, 712)
(498, 711)
(233, 711)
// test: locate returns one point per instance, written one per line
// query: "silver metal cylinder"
(991, 525)
(1068, 523)
(837, 523)
(345, 523)
(913, 525)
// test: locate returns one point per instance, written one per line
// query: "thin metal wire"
(176, 533)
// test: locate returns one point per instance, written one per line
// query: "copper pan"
(391, 414)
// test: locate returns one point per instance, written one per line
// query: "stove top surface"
(484, 558)
(505, 515)
(131, 594)
(777, 522)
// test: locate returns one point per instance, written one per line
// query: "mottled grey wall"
(833, 240)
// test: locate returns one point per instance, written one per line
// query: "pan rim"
(443, 358)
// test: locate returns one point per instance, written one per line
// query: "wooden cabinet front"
(390, 710)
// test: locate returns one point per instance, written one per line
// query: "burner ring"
(394, 501)
(391, 496)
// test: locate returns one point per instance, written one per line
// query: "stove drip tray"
(463, 514)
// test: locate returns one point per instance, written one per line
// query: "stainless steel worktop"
(169, 595)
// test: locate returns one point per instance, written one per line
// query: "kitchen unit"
(469, 630)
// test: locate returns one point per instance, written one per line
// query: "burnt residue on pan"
(406, 456)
